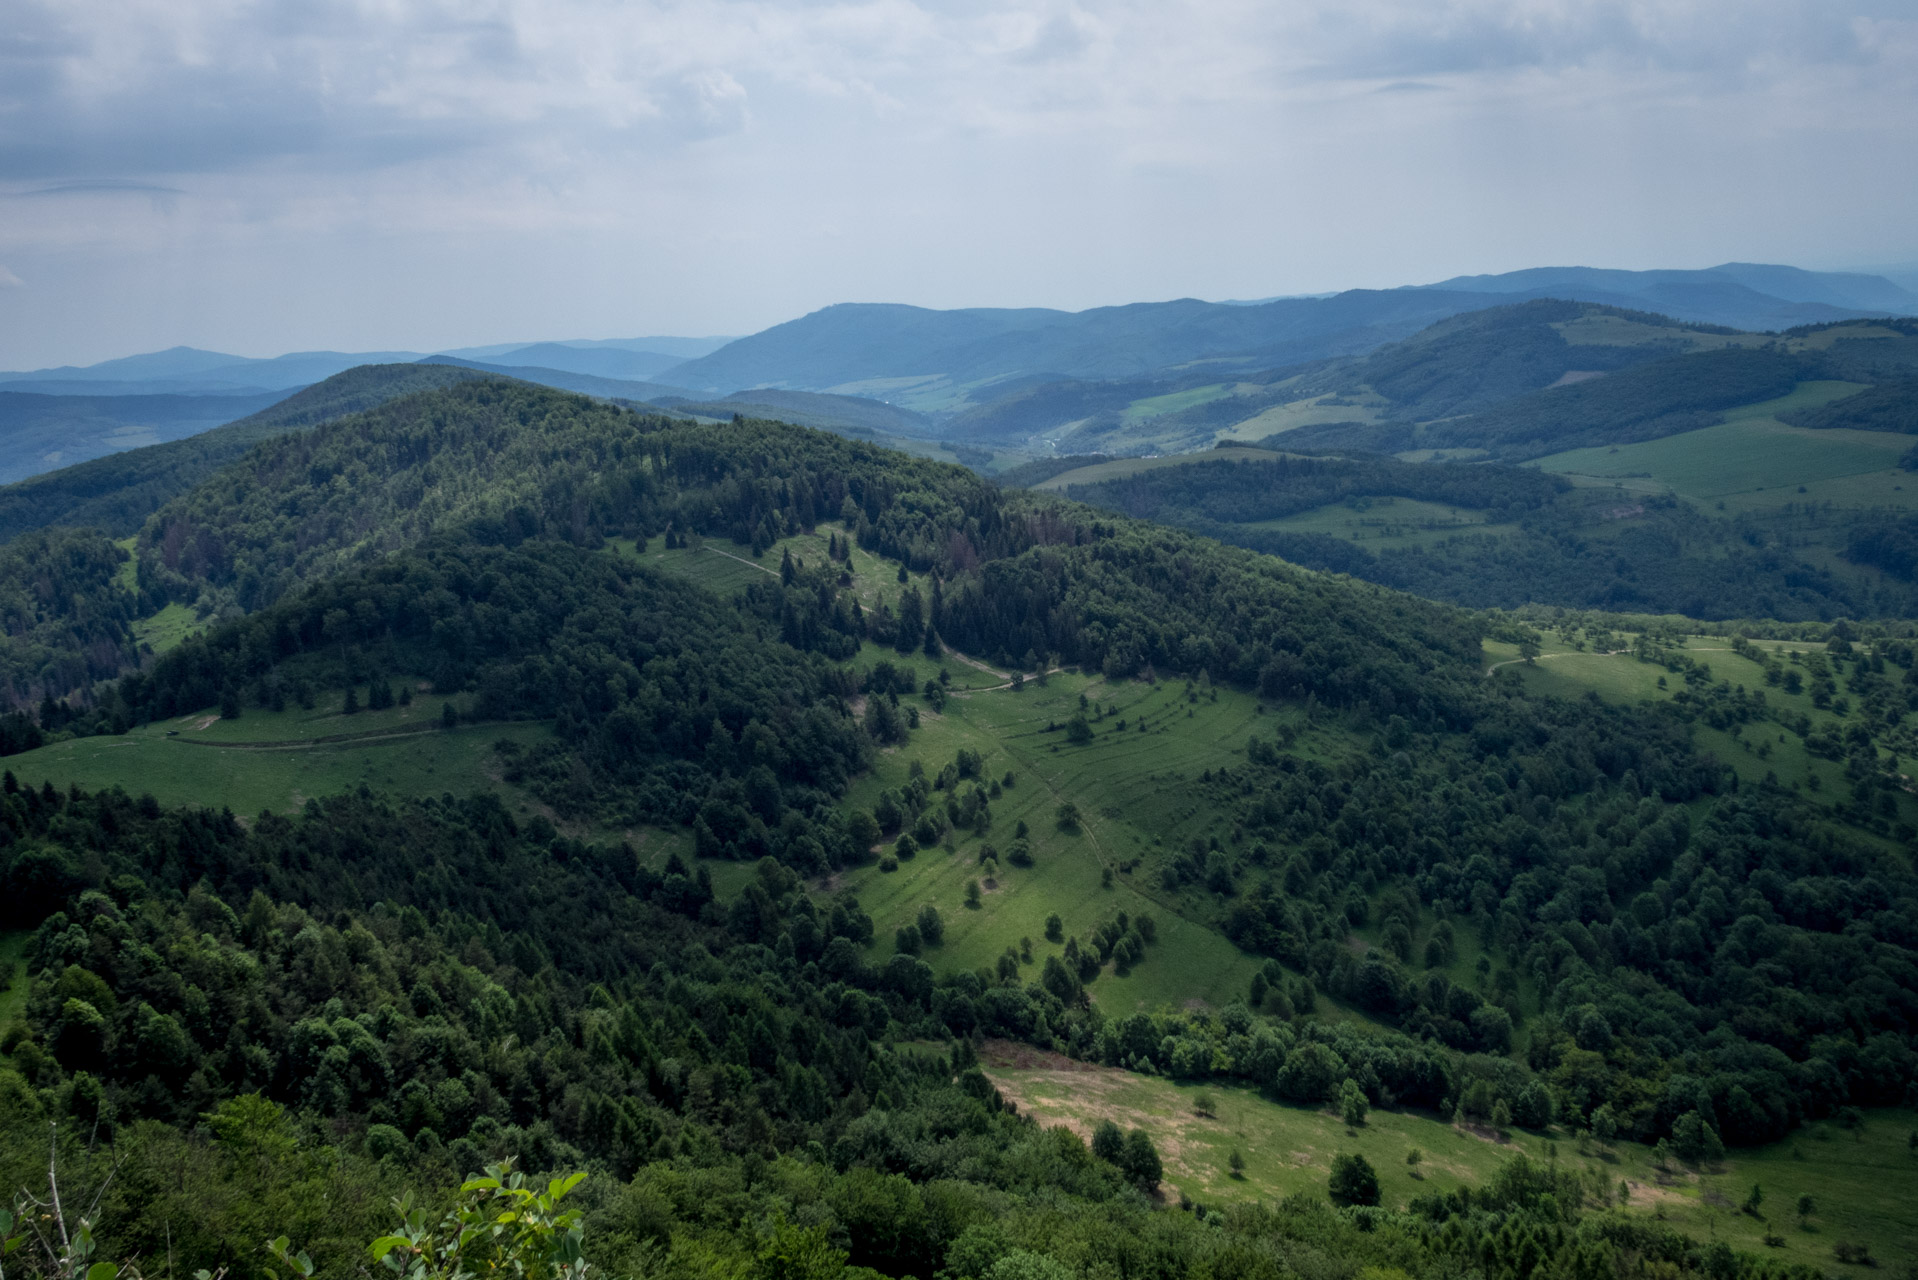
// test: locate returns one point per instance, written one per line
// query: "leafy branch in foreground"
(498, 1226)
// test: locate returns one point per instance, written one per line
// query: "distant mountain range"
(192, 371)
(1741, 295)
(975, 373)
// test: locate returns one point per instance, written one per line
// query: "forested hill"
(118, 492)
(507, 462)
(1460, 365)
(1657, 386)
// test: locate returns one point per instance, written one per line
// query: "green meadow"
(1119, 468)
(1859, 1179)
(1154, 406)
(277, 761)
(1749, 455)
(1305, 413)
(1759, 751)
(1130, 786)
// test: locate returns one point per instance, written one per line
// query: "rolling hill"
(1744, 295)
(932, 360)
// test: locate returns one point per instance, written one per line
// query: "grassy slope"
(1128, 786)
(1153, 406)
(1310, 412)
(1118, 468)
(268, 760)
(1567, 671)
(1862, 1182)
(1748, 456)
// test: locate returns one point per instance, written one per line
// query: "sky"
(262, 176)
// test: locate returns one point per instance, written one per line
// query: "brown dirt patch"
(1010, 1054)
(1483, 1132)
(1094, 1092)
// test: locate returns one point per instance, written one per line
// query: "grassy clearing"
(1130, 788)
(1287, 1149)
(171, 625)
(1305, 413)
(1750, 455)
(1119, 468)
(1862, 1181)
(1892, 490)
(1387, 523)
(1758, 751)
(1155, 406)
(277, 761)
(1806, 395)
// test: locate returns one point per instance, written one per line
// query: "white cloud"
(8, 280)
(333, 167)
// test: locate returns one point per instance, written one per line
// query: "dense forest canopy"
(1550, 543)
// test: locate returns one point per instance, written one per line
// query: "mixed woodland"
(239, 1029)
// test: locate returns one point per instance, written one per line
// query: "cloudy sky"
(269, 175)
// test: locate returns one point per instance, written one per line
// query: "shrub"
(1353, 1181)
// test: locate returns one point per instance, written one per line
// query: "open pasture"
(1748, 456)
(1859, 1179)
(1120, 468)
(1129, 787)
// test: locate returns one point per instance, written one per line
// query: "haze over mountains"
(912, 371)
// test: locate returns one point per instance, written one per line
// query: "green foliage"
(1660, 398)
(1352, 1103)
(116, 493)
(1353, 1181)
(66, 620)
(500, 1226)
